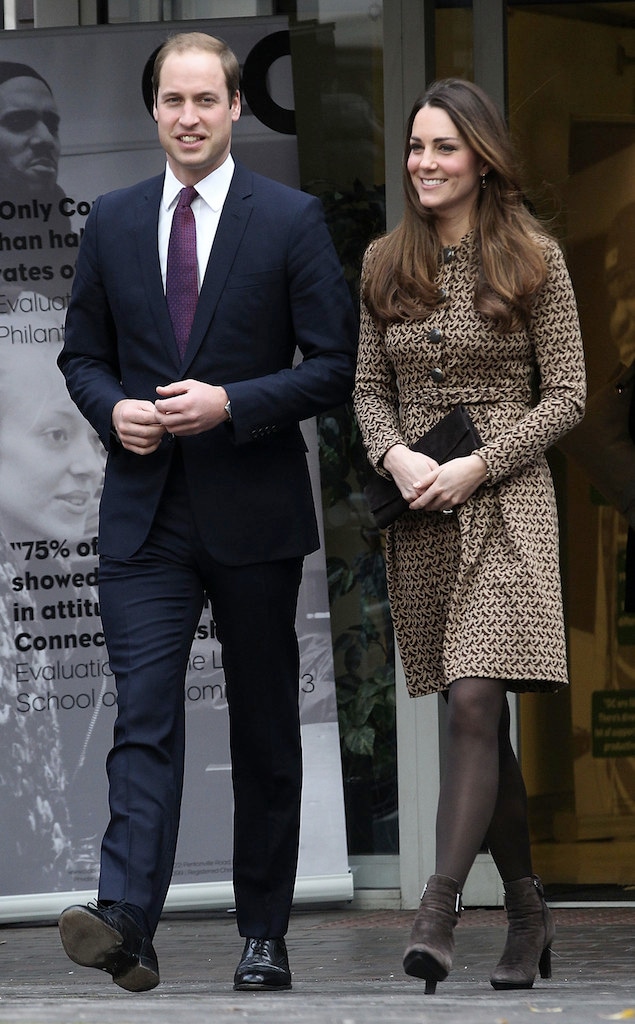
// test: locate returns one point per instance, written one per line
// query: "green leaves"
(366, 710)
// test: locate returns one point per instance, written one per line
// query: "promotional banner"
(72, 127)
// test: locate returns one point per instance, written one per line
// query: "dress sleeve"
(554, 331)
(376, 396)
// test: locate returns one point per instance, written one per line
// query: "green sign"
(613, 723)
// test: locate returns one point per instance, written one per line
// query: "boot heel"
(544, 964)
(431, 987)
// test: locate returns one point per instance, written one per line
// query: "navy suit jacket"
(273, 285)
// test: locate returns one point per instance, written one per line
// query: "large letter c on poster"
(254, 82)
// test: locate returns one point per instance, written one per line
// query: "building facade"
(565, 75)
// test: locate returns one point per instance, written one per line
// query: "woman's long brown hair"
(400, 275)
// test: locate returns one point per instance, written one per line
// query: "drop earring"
(483, 181)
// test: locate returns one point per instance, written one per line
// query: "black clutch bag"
(451, 438)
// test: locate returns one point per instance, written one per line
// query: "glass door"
(571, 108)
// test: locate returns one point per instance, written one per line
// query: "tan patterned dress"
(478, 593)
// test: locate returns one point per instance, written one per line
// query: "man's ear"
(236, 106)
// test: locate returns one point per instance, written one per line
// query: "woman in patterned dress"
(468, 300)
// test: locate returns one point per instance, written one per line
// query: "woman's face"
(444, 170)
(50, 461)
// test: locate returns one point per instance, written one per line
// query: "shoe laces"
(107, 904)
(258, 945)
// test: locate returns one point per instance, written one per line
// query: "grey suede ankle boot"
(429, 954)
(529, 936)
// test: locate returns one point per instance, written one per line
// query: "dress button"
(442, 294)
(435, 336)
(448, 254)
(437, 375)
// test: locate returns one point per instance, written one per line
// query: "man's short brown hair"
(184, 41)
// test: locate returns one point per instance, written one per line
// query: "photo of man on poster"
(33, 224)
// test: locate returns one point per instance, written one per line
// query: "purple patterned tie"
(181, 286)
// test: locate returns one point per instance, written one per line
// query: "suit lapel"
(231, 228)
(146, 231)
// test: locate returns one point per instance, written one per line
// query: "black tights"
(482, 796)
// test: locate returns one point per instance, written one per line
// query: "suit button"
(435, 336)
(437, 375)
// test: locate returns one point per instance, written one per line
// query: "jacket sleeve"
(325, 333)
(89, 359)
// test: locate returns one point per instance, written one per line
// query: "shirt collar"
(213, 189)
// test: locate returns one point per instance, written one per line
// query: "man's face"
(29, 140)
(194, 114)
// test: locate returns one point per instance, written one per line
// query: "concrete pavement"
(346, 967)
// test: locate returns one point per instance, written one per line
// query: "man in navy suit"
(206, 494)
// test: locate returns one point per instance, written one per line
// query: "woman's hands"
(426, 485)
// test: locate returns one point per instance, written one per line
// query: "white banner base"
(41, 907)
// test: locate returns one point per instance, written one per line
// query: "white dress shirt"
(207, 208)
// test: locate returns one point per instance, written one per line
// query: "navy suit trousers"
(151, 604)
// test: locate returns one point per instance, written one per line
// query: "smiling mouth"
(76, 500)
(188, 139)
(433, 181)
(43, 163)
